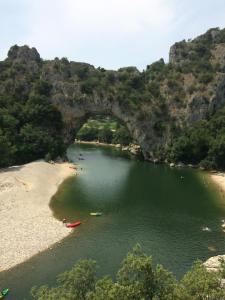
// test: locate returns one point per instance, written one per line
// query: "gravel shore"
(219, 179)
(213, 263)
(27, 225)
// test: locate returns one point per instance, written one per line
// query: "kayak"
(3, 293)
(97, 214)
(72, 225)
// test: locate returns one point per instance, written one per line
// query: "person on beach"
(64, 221)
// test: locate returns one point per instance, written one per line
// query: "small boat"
(96, 214)
(72, 225)
(206, 229)
(3, 293)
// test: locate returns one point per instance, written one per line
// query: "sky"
(106, 33)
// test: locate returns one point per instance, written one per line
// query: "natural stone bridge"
(77, 114)
(77, 105)
(151, 111)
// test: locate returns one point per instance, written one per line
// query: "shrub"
(89, 84)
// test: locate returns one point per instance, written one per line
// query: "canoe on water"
(97, 214)
(72, 225)
(3, 293)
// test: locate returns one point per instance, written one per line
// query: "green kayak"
(97, 214)
(3, 293)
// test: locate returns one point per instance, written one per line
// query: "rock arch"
(152, 112)
(76, 115)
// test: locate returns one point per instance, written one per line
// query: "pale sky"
(106, 33)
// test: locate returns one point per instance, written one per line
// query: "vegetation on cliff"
(30, 126)
(45, 103)
(136, 279)
(203, 143)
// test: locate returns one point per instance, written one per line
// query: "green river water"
(161, 208)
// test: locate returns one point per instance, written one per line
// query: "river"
(161, 208)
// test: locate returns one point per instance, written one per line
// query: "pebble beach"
(27, 225)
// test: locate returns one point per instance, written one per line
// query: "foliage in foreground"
(137, 279)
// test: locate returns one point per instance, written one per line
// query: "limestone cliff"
(154, 104)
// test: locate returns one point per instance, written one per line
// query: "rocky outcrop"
(133, 149)
(178, 52)
(218, 57)
(23, 54)
(214, 263)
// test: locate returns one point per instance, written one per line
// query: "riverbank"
(96, 143)
(214, 262)
(131, 148)
(219, 180)
(26, 221)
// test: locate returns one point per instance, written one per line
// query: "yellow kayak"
(96, 214)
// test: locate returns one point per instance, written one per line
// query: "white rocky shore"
(213, 263)
(26, 221)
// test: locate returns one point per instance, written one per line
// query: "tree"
(217, 151)
(42, 87)
(137, 279)
(7, 151)
(105, 135)
(89, 84)
(137, 273)
(121, 136)
(72, 285)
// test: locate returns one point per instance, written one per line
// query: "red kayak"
(72, 225)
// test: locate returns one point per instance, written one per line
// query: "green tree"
(217, 151)
(72, 285)
(122, 136)
(42, 87)
(137, 279)
(137, 273)
(105, 135)
(89, 85)
(7, 151)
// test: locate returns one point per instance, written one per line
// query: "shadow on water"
(163, 209)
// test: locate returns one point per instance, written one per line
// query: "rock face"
(178, 52)
(152, 110)
(23, 54)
